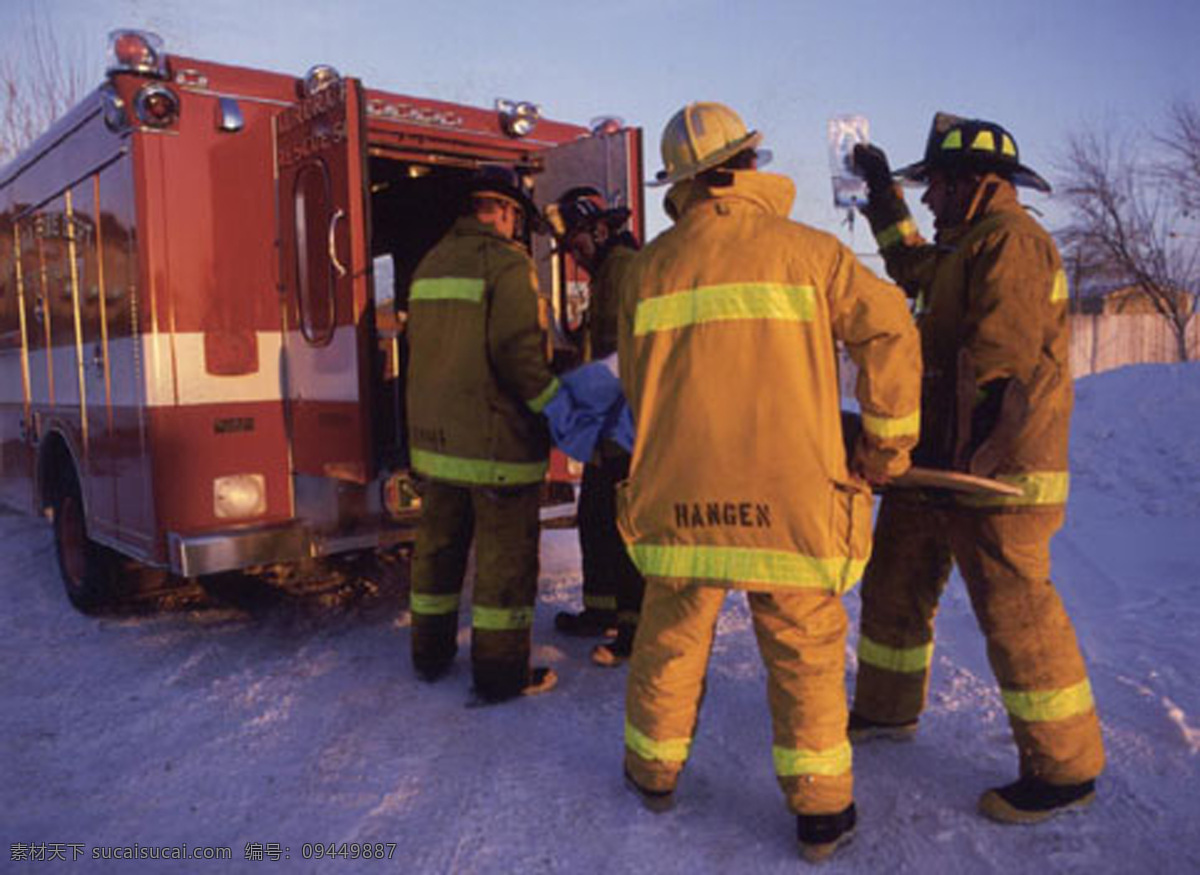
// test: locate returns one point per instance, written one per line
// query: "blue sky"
(1043, 69)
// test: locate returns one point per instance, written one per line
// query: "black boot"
(1030, 800)
(860, 729)
(616, 652)
(432, 671)
(822, 834)
(492, 688)
(658, 801)
(588, 623)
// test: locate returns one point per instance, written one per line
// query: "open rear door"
(610, 162)
(323, 245)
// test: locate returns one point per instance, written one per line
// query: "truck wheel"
(88, 569)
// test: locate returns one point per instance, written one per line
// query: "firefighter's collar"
(472, 227)
(771, 192)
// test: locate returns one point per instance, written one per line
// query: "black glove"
(995, 424)
(871, 163)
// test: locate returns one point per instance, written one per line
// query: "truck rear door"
(325, 282)
(611, 162)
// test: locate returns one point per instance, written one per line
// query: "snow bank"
(247, 723)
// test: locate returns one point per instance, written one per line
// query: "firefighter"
(992, 309)
(478, 380)
(612, 587)
(739, 478)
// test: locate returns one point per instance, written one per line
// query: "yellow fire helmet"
(699, 137)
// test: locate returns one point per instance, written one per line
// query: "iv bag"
(845, 132)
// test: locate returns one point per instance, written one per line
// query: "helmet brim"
(750, 141)
(517, 198)
(918, 174)
(614, 218)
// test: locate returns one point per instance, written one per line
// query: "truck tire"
(88, 569)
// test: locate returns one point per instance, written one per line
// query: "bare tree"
(40, 78)
(1180, 166)
(1135, 215)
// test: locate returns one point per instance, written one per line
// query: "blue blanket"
(589, 406)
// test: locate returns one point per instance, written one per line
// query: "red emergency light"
(136, 51)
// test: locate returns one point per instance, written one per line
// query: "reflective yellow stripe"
(447, 289)
(744, 565)
(953, 140)
(1038, 488)
(791, 762)
(538, 404)
(1059, 291)
(1039, 706)
(898, 659)
(1007, 146)
(984, 142)
(600, 602)
(501, 619)
(673, 750)
(896, 233)
(482, 472)
(893, 427)
(423, 603)
(774, 301)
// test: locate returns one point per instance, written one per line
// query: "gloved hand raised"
(871, 163)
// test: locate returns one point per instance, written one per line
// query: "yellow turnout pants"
(801, 637)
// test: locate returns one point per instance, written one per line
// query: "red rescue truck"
(203, 271)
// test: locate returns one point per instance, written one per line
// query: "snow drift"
(269, 725)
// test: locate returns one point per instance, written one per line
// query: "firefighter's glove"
(565, 359)
(624, 238)
(996, 421)
(875, 465)
(871, 163)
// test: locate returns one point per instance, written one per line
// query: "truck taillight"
(156, 106)
(239, 496)
(400, 494)
(136, 51)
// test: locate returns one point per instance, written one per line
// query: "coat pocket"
(850, 528)
(624, 517)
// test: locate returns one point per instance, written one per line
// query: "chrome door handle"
(337, 265)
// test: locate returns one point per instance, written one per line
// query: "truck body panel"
(202, 311)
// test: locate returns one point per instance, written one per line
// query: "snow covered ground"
(262, 725)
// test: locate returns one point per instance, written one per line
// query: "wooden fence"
(1103, 341)
(1100, 342)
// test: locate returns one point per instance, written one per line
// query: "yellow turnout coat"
(739, 475)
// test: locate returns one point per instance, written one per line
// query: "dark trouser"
(1004, 558)
(504, 523)
(611, 582)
